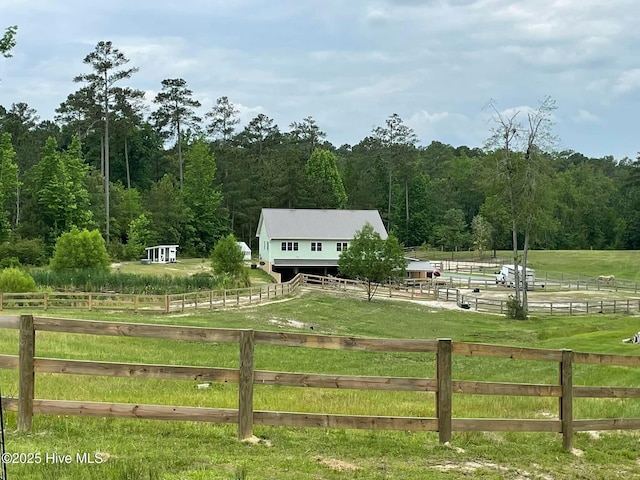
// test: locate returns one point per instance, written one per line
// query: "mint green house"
(309, 240)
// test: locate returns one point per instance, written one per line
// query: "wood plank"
(9, 362)
(26, 375)
(245, 386)
(501, 351)
(10, 404)
(125, 410)
(566, 400)
(606, 359)
(172, 332)
(10, 321)
(606, 392)
(504, 425)
(497, 388)
(345, 343)
(137, 370)
(289, 419)
(310, 380)
(607, 424)
(444, 396)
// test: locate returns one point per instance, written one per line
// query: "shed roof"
(162, 246)
(316, 224)
(244, 247)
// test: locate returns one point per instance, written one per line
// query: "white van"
(507, 276)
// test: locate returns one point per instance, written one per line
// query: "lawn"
(185, 450)
(183, 268)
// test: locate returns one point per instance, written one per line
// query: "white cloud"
(628, 81)
(584, 116)
(351, 64)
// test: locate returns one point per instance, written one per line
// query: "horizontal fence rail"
(444, 386)
(149, 303)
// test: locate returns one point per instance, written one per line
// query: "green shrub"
(13, 280)
(27, 251)
(515, 310)
(227, 257)
(8, 262)
(80, 250)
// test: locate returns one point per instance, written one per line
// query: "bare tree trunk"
(389, 208)
(17, 205)
(180, 154)
(406, 205)
(126, 161)
(525, 252)
(102, 155)
(106, 156)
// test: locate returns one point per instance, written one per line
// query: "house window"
(295, 246)
(313, 246)
(290, 246)
(341, 246)
(284, 246)
(316, 246)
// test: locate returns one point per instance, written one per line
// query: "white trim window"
(316, 246)
(341, 246)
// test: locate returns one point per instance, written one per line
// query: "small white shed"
(162, 253)
(245, 249)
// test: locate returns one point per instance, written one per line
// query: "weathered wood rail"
(208, 299)
(443, 386)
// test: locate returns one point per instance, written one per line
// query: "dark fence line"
(443, 386)
(149, 303)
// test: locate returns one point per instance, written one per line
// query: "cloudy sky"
(352, 63)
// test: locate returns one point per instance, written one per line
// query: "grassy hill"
(183, 450)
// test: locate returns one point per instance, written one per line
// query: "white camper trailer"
(507, 276)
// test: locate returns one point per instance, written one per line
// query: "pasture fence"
(443, 386)
(208, 299)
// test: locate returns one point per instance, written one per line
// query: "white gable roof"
(316, 224)
(244, 247)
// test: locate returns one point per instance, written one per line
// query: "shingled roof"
(315, 224)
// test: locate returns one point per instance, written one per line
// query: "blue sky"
(352, 63)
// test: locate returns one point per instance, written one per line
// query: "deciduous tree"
(227, 257)
(371, 259)
(323, 180)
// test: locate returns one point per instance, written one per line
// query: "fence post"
(135, 303)
(46, 300)
(183, 298)
(444, 393)
(210, 298)
(90, 302)
(566, 400)
(26, 373)
(166, 303)
(245, 386)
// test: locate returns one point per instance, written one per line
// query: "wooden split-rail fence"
(208, 299)
(444, 386)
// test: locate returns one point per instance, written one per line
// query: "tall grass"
(101, 281)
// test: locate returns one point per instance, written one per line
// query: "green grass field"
(185, 450)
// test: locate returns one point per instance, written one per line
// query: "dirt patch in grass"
(471, 467)
(337, 465)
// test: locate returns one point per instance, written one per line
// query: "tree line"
(171, 174)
